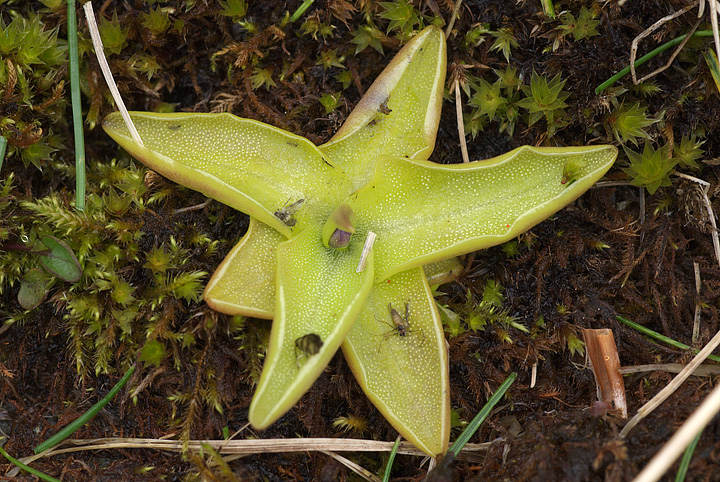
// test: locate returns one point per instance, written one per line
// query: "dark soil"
(559, 276)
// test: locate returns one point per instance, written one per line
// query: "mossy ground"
(144, 254)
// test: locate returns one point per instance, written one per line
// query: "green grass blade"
(687, 456)
(646, 57)
(26, 468)
(659, 337)
(3, 145)
(482, 415)
(85, 417)
(391, 459)
(712, 63)
(301, 9)
(76, 107)
(548, 8)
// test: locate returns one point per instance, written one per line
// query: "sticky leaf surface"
(318, 292)
(423, 212)
(406, 377)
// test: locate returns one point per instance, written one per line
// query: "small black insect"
(382, 111)
(286, 213)
(307, 346)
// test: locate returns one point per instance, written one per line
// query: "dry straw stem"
(651, 29)
(454, 16)
(460, 122)
(605, 362)
(655, 402)
(714, 24)
(361, 471)
(700, 371)
(642, 215)
(100, 54)
(196, 207)
(533, 375)
(704, 191)
(682, 438)
(247, 447)
(241, 448)
(600, 184)
(696, 321)
(369, 241)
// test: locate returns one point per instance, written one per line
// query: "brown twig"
(605, 363)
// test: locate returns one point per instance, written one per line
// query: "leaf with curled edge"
(248, 165)
(318, 292)
(424, 212)
(398, 116)
(406, 377)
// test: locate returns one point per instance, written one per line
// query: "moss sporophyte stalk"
(422, 212)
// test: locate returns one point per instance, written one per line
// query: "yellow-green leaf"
(712, 62)
(406, 377)
(319, 293)
(400, 112)
(244, 283)
(243, 163)
(448, 210)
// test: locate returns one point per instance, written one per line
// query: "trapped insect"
(286, 213)
(307, 346)
(400, 325)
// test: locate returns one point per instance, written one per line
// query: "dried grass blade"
(460, 122)
(682, 438)
(254, 446)
(658, 399)
(100, 53)
(362, 472)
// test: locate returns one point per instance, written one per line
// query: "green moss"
(545, 99)
(112, 310)
(628, 123)
(31, 87)
(651, 168)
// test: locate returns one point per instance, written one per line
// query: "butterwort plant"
(312, 208)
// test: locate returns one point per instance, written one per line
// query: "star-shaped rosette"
(374, 170)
